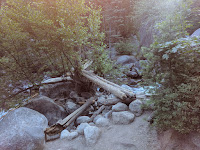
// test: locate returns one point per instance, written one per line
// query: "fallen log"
(109, 86)
(62, 124)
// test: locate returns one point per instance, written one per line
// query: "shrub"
(173, 68)
(125, 48)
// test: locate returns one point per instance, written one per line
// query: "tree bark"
(109, 86)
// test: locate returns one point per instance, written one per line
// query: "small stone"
(132, 74)
(102, 122)
(109, 101)
(91, 124)
(65, 134)
(132, 82)
(71, 107)
(82, 119)
(123, 117)
(73, 135)
(136, 107)
(119, 107)
(91, 134)
(81, 127)
(97, 117)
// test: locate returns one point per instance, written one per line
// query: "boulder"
(108, 101)
(132, 74)
(196, 33)
(119, 107)
(65, 134)
(91, 134)
(48, 108)
(123, 117)
(102, 122)
(57, 90)
(97, 117)
(126, 59)
(23, 129)
(132, 82)
(71, 107)
(136, 107)
(81, 127)
(82, 119)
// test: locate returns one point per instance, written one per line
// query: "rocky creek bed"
(121, 125)
(26, 125)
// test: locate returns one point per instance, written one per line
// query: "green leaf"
(174, 50)
(165, 56)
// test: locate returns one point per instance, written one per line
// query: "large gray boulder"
(23, 129)
(123, 117)
(48, 108)
(58, 90)
(126, 59)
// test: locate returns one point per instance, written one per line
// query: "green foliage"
(125, 48)
(175, 24)
(173, 68)
(43, 37)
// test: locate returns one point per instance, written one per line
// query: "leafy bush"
(174, 69)
(125, 48)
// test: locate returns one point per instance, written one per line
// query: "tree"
(42, 35)
(117, 22)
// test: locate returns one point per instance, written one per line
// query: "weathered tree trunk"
(104, 85)
(109, 86)
(69, 119)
